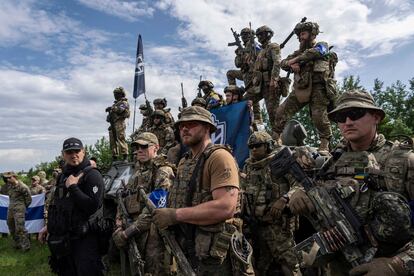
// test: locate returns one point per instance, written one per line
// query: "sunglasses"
(139, 146)
(353, 114)
(255, 146)
(188, 125)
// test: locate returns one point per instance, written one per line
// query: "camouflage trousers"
(318, 105)
(232, 75)
(15, 222)
(117, 139)
(272, 246)
(272, 100)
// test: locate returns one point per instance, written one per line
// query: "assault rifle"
(183, 99)
(339, 229)
(237, 41)
(136, 263)
(170, 242)
(199, 95)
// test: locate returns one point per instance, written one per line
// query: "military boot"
(324, 146)
(278, 139)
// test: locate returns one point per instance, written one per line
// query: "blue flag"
(139, 80)
(233, 128)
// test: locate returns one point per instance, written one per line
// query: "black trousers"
(84, 259)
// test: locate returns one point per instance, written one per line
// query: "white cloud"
(127, 10)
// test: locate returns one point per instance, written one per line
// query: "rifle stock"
(169, 240)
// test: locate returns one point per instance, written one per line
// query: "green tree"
(102, 152)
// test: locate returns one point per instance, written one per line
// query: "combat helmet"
(264, 29)
(235, 90)
(199, 101)
(162, 101)
(119, 91)
(261, 137)
(207, 83)
(246, 31)
(311, 27)
(143, 107)
(159, 113)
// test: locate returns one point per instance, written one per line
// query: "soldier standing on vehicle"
(117, 114)
(268, 226)
(313, 66)
(19, 200)
(374, 177)
(266, 75)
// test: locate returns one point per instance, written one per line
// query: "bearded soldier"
(213, 99)
(161, 104)
(374, 177)
(151, 172)
(164, 133)
(266, 75)
(117, 114)
(203, 198)
(269, 228)
(20, 199)
(313, 66)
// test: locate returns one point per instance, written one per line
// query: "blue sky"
(61, 60)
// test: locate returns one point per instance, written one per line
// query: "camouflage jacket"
(169, 119)
(38, 189)
(245, 58)
(268, 61)
(119, 110)
(19, 194)
(165, 135)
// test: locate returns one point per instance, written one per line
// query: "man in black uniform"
(77, 198)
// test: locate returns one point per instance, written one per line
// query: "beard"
(306, 44)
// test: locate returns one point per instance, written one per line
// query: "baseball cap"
(72, 144)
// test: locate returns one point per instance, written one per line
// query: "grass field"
(31, 263)
(14, 262)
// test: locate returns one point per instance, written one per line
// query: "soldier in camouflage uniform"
(146, 111)
(151, 172)
(313, 66)
(268, 227)
(204, 198)
(266, 75)
(199, 102)
(42, 175)
(19, 200)
(36, 188)
(161, 104)
(213, 99)
(117, 114)
(244, 60)
(164, 133)
(378, 176)
(234, 94)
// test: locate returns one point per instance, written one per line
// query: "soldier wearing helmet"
(379, 175)
(164, 132)
(117, 114)
(199, 102)
(212, 98)
(245, 59)
(313, 66)
(266, 75)
(161, 104)
(234, 94)
(266, 198)
(146, 111)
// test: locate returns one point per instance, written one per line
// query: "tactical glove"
(164, 217)
(300, 203)
(119, 238)
(380, 266)
(108, 109)
(278, 207)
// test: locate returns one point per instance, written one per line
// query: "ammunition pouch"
(132, 204)
(59, 246)
(284, 84)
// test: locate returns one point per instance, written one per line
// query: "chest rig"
(262, 189)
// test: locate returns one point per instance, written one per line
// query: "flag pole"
(135, 108)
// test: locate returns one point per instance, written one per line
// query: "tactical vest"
(264, 62)
(62, 220)
(144, 176)
(262, 189)
(121, 105)
(213, 100)
(210, 241)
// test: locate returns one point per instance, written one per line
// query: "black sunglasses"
(254, 146)
(72, 151)
(139, 146)
(353, 114)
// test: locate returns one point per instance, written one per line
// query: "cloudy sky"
(61, 60)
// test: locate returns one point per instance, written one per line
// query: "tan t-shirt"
(220, 170)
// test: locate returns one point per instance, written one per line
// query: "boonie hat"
(196, 113)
